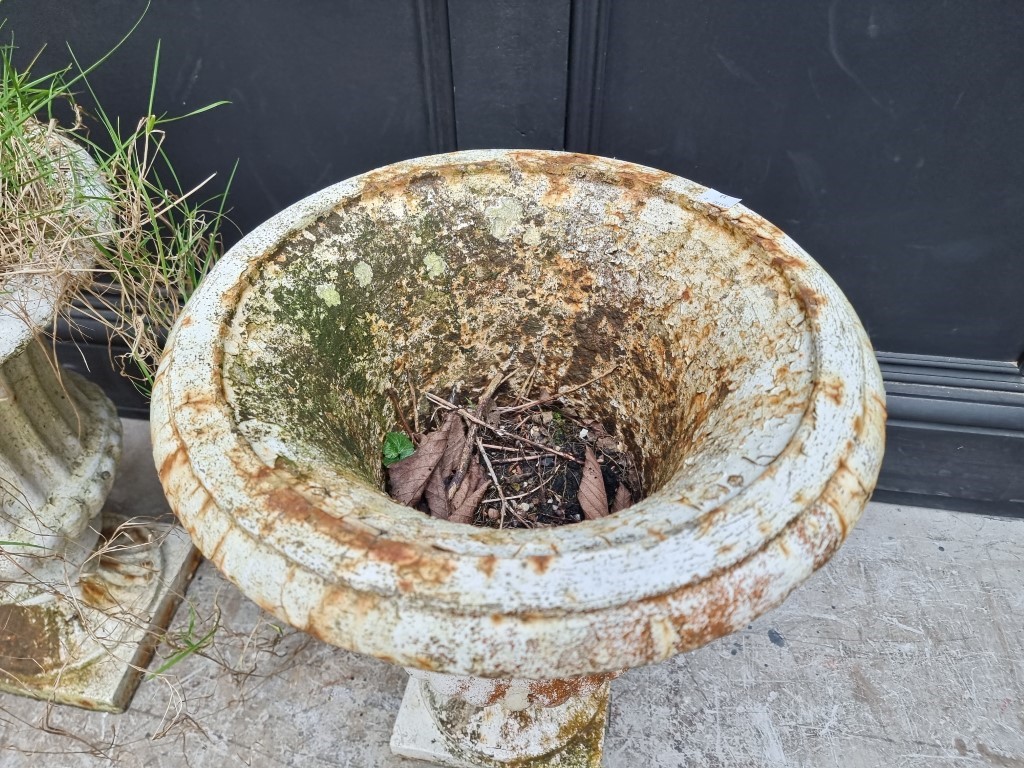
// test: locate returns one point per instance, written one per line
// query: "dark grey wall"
(319, 91)
(884, 136)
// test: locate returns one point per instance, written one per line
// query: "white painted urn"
(745, 387)
(82, 591)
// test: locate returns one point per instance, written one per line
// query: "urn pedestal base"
(83, 590)
(435, 729)
(87, 642)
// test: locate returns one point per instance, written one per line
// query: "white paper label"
(716, 198)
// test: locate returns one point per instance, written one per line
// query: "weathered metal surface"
(59, 435)
(77, 613)
(59, 444)
(450, 730)
(745, 384)
(85, 641)
(512, 694)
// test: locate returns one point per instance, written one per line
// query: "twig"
(515, 459)
(557, 395)
(467, 450)
(500, 432)
(494, 477)
(401, 416)
(415, 410)
(528, 381)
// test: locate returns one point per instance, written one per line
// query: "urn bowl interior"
(439, 277)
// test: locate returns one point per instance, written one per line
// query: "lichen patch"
(328, 294)
(363, 273)
(502, 216)
(436, 266)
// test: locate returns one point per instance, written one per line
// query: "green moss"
(397, 289)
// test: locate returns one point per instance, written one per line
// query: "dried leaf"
(456, 430)
(623, 498)
(592, 496)
(464, 513)
(409, 476)
(437, 494)
(470, 494)
(467, 486)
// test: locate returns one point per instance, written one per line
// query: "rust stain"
(173, 463)
(780, 261)
(497, 692)
(843, 526)
(551, 693)
(29, 639)
(539, 563)
(394, 552)
(425, 662)
(95, 593)
(411, 562)
(811, 300)
(833, 389)
(486, 565)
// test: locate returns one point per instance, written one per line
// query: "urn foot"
(87, 642)
(452, 732)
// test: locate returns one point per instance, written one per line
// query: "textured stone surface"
(905, 650)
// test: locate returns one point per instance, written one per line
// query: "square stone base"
(87, 644)
(417, 736)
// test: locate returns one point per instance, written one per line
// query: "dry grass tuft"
(107, 217)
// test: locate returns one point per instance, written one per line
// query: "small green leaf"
(397, 446)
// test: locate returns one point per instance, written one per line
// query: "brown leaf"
(623, 498)
(470, 494)
(467, 486)
(409, 476)
(592, 497)
(437, 494)
(456, 430)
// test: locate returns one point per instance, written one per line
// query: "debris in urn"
(512, 461)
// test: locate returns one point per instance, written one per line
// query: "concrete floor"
(907, 649)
